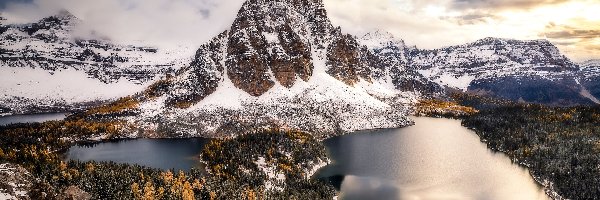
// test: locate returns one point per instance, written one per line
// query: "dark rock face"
(589, 77)
(264, 48)
(344, 60)
(247, 65)
(297, 62)
(593, 86)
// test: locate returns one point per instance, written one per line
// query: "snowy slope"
(323, 105)
(23, 86)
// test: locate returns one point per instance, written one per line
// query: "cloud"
(554, 31)
(438, 23)
(579, 37)
(157, 22)
(503, 4)
(475, 17)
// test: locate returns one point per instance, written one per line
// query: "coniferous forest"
(559, 145)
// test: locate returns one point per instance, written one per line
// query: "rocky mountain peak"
(279, 42)
(273, 41)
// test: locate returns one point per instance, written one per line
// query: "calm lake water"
(13, 119)
(178, 154)
(435, 159)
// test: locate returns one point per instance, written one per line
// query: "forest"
(232, 165)
(559, 145)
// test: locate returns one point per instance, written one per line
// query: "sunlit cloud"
(438, 23)
(156, 22)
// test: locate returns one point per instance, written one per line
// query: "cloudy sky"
(573, 25)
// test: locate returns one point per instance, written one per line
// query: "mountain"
(44, 66)
(281, 64)
(394, 54)
(531, 71)
(589, 78)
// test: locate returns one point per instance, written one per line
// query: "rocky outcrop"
(16, 182)
(295, 59)
(198, 80)
(344, 60)
(268, 43)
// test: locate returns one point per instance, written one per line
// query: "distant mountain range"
(283, 64)
(44, 66)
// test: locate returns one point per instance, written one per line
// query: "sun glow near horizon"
(572, 25)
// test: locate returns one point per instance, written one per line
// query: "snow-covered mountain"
(589, 78)
(281, 64)
(532, 71)
(44, 66)
(394, 54)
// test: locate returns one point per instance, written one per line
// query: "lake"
(434, 159)
(178, 154)
(13, 119)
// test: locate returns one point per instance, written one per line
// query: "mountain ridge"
(40, 61)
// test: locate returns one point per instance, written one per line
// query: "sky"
(572, 25)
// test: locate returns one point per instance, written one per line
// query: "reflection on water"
(435, 159)
(13, 119)
(178, 154)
